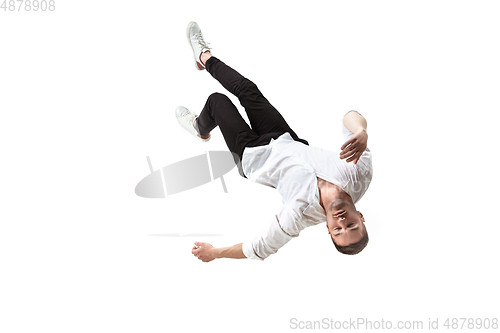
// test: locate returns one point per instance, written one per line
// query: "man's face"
(344, 223)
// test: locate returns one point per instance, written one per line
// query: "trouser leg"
(220, 111)
(265, 120)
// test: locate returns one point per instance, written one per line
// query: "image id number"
(28, 5)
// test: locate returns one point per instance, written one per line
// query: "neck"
(329, 193)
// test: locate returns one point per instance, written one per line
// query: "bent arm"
(355, 122)
(354, 147)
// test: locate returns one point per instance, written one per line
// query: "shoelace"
(201, 41)
(188, 116)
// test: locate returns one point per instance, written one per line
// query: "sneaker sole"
(197, 64)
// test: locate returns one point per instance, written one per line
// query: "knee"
(218, 97)
(218, 100)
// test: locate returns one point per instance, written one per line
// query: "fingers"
(200, 249)
(353, 157)
(348, 142)
(353, 152)
(349, 147)
(196, 248)
(197, 251)
(349, 151)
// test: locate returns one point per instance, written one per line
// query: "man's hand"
(355, 146)
(204, 251)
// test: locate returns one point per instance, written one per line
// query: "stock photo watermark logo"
(186, 174)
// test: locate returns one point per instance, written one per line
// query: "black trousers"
(266, 122)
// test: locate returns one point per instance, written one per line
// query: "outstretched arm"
(353, 148)
(261, 247)
(206, 252)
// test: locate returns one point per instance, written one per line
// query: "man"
(316, 185)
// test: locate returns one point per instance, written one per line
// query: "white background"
(89, 90)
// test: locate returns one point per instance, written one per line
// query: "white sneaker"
(186, 118)
(198, 44)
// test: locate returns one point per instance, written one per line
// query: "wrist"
(217, 252)
(361, 130)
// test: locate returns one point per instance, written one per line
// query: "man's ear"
(361, 215)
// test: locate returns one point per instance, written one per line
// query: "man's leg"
(220, 111)
(264, 118)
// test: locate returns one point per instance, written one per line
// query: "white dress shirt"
(292, 168)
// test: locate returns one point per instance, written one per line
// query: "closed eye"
(349, 226)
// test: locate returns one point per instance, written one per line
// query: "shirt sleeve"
(345, 131)
(269, 241)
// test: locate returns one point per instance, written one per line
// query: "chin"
(339, 204)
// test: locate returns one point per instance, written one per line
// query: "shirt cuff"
(248, 251)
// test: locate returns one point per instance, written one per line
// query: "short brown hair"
(354, 248)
